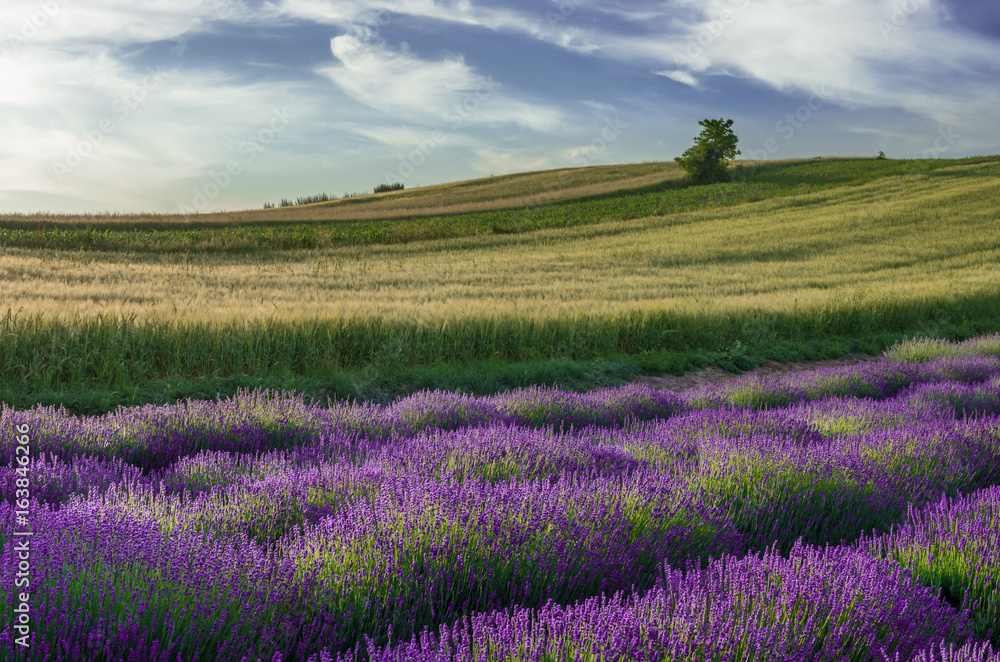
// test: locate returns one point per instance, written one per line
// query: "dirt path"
(714, 374)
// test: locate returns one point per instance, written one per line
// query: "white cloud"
(875, 54)
(88, 127)
(502, 162)
(64, 75)
(866, 53)
(600, 108)
(64, 69)
(396, 81)
(118, 21)
(680, 76)
(380, 12)
(402, 139)
(446, 93)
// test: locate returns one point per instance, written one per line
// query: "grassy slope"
(840, 266)
(502, 205)
(491, 193)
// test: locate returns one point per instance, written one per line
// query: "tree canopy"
(706, 162)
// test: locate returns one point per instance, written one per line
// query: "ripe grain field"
(809, 258)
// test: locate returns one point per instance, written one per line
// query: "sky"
(205, 105)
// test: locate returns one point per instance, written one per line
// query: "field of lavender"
(845, 513)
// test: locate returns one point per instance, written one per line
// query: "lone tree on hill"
(707, 161)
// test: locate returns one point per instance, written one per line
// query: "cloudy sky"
(168, 105)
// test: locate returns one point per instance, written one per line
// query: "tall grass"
(121, 351)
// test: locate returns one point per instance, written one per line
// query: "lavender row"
(760, 466)
(424, 552)
(776, 475)
(799, 469)
(953, 545)
(411, 528)
(134, 568)
(871, 379)
(952, 549)
(817, 604)
(775, 489)
(108, 586)
(153, 437)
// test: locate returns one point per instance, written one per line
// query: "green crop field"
(581, 277)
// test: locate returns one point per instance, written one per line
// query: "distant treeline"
(327, 197)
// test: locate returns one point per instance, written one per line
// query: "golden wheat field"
(901, 237)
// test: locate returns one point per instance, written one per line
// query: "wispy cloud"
(501, 162)
(74, 24)
(77, 126)
(400, 139)
(446, 92)
(396, 81)
(874, 54)
(679, 75)
(370, 12)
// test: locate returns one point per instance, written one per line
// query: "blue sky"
(181, 105)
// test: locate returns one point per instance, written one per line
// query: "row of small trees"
(327, 197)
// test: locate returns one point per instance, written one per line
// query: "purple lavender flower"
(817, 604)
(953, 545)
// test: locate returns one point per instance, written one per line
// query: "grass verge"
(385, 382)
